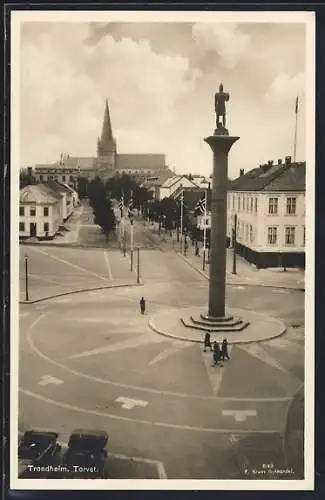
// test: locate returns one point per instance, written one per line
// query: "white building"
(269, 202)
(66, 195)
(39, 212)
(172, 184)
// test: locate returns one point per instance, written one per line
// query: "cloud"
(285, 88)
(64, 83)
(225, 39)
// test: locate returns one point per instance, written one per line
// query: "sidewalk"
(245, 272)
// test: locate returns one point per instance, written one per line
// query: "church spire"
(107, 135)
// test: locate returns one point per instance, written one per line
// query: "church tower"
(106, 145)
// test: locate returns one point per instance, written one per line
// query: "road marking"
(129, 403)
(144, 339)
(77, 373)
(146, 422)
(48, 379)
(108, 265)
(239, 415)
(69, 263)
(177, 346)
(215, 373)
(258, 352)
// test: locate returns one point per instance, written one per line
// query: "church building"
(106, 164)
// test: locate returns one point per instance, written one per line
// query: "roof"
(140, 161)
(37, 194)
(70, 162)
(159, 179)
(279, 177)
(176, 178)
(58, 187)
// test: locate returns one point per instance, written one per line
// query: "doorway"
(33, 229)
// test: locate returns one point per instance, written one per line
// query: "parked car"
(37, 448)
(86, 455)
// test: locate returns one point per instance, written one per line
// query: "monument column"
(220, 143)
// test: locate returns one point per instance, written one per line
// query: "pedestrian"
(142, 305)
(224, 349)
(207, 342)
(216, 353)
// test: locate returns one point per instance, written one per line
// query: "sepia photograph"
(162, 241)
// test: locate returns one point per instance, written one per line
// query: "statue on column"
(220, 100)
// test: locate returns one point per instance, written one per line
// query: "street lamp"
(26, 279)
(234, 244)
(131, 242)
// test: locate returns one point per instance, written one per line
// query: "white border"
(308, 18)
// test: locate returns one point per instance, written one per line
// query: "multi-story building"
(39, 212)
(107, 163)
(269, 203)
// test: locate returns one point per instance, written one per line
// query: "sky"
(160, 80)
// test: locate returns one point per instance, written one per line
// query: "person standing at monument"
(224, 349)
(207, 342)
(216, 353)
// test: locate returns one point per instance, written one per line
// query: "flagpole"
(296, 131)
(204, 228)
(182, 201)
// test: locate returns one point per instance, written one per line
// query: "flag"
(297, 105)
(121, 202)
(200, 206)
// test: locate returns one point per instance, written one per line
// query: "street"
(98, 365)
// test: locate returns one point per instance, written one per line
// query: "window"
(291, 206)
(256, 205)
(272, 235)
(273, 206)
(244, 203)
(290, 235)
(246, 232)
(238, 203)
(63, 178)
(304, 236)
(71, 178)
(22, 211)
(56, 177)
(32, 212)
(46, 211)
(51, 177)
(21, 226)
(233, 202)
(252, 201)
(46, 227)
(41, 178)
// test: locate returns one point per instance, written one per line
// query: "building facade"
(39, 212)
(269, 203)
(107, 163)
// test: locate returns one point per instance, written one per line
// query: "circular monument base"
(239, 326)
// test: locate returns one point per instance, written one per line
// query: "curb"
(245, 283)
(186, 339)
(49, 297)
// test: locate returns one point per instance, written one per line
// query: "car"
(86, 455)
(37, 448)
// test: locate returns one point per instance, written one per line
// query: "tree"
(26, 178)
(102, 206)
(82, 187)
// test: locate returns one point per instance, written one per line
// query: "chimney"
(241, 172)
(279, 161)
(288, 160)
(270, 163)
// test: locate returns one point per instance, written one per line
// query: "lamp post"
(234, 244)
(26, 279)
(131, 242)
(138, 265)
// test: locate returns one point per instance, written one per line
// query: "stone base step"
(227, 324)
(213, 329)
